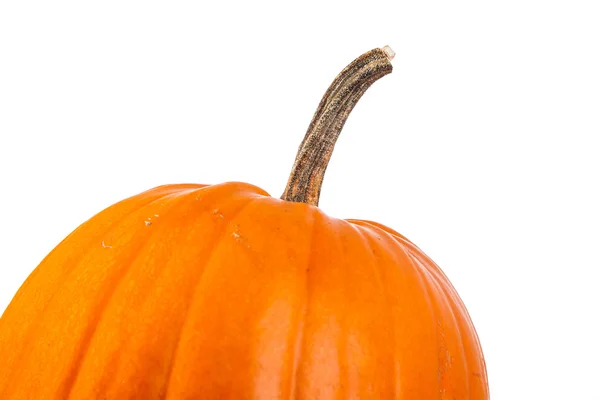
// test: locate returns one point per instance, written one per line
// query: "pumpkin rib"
(370, 244)
(177, 198)
(458, 307)
(87, 336)
(441, 287)
(433, 310)
(303, 315)
(400, 257)
(53, 252)
(239, 275)
(335, 242)
(398, 237)
(439, 275)
(323, 237)
(134, 327)
(456, 304)
(440, 296)
(435, 313)
(457, 301)
(62, 279)
(138, 250)
(195, 291)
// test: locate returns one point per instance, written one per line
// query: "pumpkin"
(193, 291)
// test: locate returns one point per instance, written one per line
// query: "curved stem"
(306, 178)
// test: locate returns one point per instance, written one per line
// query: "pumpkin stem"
(306, 178)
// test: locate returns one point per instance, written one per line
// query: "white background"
(481, 147)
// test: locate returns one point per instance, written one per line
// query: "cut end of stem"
(389, 52)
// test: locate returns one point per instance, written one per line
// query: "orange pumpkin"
(207, 292)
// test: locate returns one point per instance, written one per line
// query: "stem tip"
(389, 52)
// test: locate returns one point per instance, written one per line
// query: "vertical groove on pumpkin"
(303, 316)
(88, 334)
(177, 348)
(306, 178)
(435, 313)
(458, 309)
(428, 266)
(455, 303)
(343, 342)
(90, 243)
(445, 297)
(86, 338)
(438, 296)
(370, 245)
(170, 265)
(400, 257)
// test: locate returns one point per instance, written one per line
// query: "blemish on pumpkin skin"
(216, 212)
(236, 233)
(238, 236)
(106, 246)
(148, 222)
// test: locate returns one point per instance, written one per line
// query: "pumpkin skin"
(212, 292)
